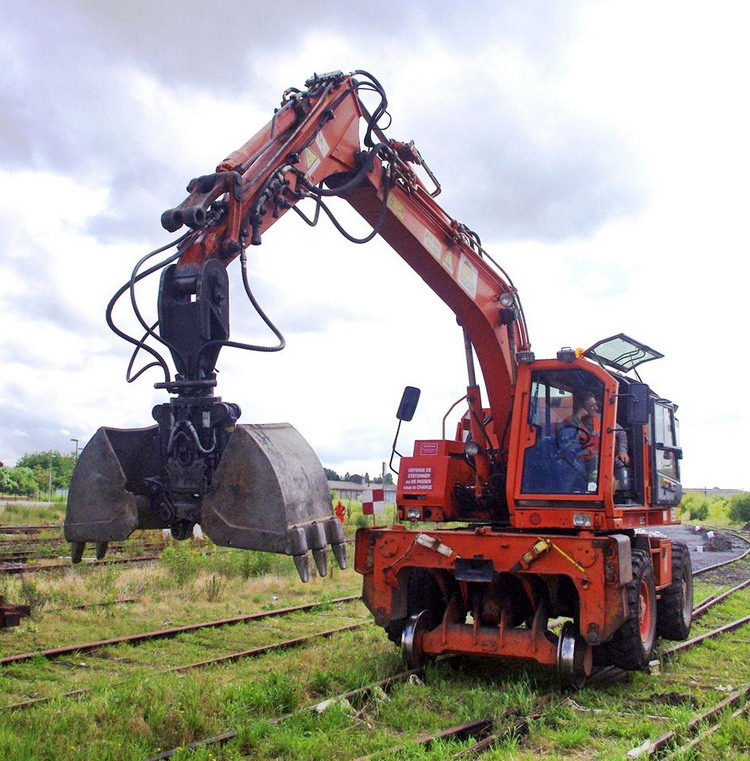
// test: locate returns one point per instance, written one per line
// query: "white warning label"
(468, 277)
(418, 478)
(432, 244)
(322, 143)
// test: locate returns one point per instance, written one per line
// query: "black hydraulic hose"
(375, 229)
(248, 347)
(134, 278)
(355, 181)
(379, 111)
(139, 344)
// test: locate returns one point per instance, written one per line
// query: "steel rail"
(28, 529)
(384, 685)
(262, 650)
(21, 569)
(133, 639)
(707, 604)
(650, 747)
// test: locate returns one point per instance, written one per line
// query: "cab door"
(665, 454)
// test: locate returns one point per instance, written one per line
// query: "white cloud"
(598, 149)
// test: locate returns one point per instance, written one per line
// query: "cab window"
(565, 417)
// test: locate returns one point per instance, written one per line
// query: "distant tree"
(739, 508)
(18, 480)
(40, 463)
(7, 484)
(389, 479)
(332, 475)
(367, 477)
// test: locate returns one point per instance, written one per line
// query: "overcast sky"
(600, 150)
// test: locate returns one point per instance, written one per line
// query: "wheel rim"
(574, 657)
(411, 639)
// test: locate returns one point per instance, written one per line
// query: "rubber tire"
(629, 649)
(675, 608)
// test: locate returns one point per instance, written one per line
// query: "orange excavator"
(532, 533)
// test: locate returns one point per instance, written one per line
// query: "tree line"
(332, 475)
(37, 473)
(40, 472)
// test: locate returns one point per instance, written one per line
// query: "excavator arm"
(261, 487)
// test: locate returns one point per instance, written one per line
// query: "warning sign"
(418, 478)
(448, 262)
(311, 160)
(432, 244)
(468, 277)
(396, 206)
(322, 144)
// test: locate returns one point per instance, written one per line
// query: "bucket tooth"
(335, 536)
(339, 552)
(303, 567)
(76, 551)
(321, 561)
(101, 550)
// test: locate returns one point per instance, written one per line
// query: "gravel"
(696, 539)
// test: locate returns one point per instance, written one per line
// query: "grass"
(31, 513)
(134, 709)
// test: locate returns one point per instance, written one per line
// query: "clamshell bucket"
(104, 504)
(267, 493)
(271, 494)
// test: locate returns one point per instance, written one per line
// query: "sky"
(599, 149)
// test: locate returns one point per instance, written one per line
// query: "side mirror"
(408, 405)
(638, 403)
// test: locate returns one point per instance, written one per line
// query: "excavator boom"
(262, 487)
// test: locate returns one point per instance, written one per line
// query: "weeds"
(32, 595)
(214, 587)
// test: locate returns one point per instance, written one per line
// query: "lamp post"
(75, 441)
(49, 484)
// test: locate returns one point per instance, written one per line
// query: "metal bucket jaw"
(271, 494)
(267, 493)
(107, 499)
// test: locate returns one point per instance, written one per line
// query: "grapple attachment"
(265, 490)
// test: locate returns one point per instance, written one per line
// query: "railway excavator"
(532, 533)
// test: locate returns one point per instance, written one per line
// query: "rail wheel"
(675, 608)
(574, 657)
(411, 639)
(422, 593)
(633, 643)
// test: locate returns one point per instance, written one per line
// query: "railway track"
(474, 736)
(480, 735)
(10, 529)
(136, 639)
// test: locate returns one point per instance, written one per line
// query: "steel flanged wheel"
(574, 657)
(411, 639)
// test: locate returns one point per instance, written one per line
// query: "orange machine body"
(535, 510)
